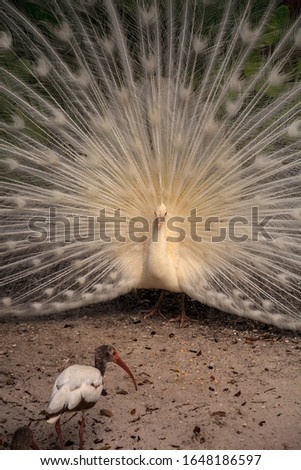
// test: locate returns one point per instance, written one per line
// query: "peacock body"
(151, 145)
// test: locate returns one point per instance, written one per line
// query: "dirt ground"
(220, 382)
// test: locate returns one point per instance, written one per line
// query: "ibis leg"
(81, 431)
(59, 433)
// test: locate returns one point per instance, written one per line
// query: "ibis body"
(79, 387)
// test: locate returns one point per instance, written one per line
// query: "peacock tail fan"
(113, 110)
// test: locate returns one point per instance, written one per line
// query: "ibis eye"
(165, 214)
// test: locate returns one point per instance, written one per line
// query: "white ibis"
(23, 440)
(79, 387)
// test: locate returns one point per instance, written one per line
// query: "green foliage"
(276, 25)
(36, 11)
(254, 63)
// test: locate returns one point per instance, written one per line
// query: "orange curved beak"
(120, 362)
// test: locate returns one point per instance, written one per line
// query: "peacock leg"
(182, 317)
(157, 308)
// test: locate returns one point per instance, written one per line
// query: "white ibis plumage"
(79, 387)
(23, 440)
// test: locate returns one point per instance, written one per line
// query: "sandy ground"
(220, 382)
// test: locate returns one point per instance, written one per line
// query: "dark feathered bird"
(23, 439)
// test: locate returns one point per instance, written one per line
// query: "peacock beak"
(120, 362)
(160, 220)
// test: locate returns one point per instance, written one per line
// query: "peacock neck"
(159, 233)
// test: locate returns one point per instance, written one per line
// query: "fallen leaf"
(147, 381)
(218, 413)
(196, 430)
(98, 441)
(107, 413)
(69, 443)
(150, 410)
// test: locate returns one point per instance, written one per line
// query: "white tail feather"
(113, 113)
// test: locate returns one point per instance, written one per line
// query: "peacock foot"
(157, 308)
(152, 312)
(182, 318)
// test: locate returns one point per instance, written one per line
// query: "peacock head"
(161, 213)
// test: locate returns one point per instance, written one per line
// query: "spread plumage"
(111, 115)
